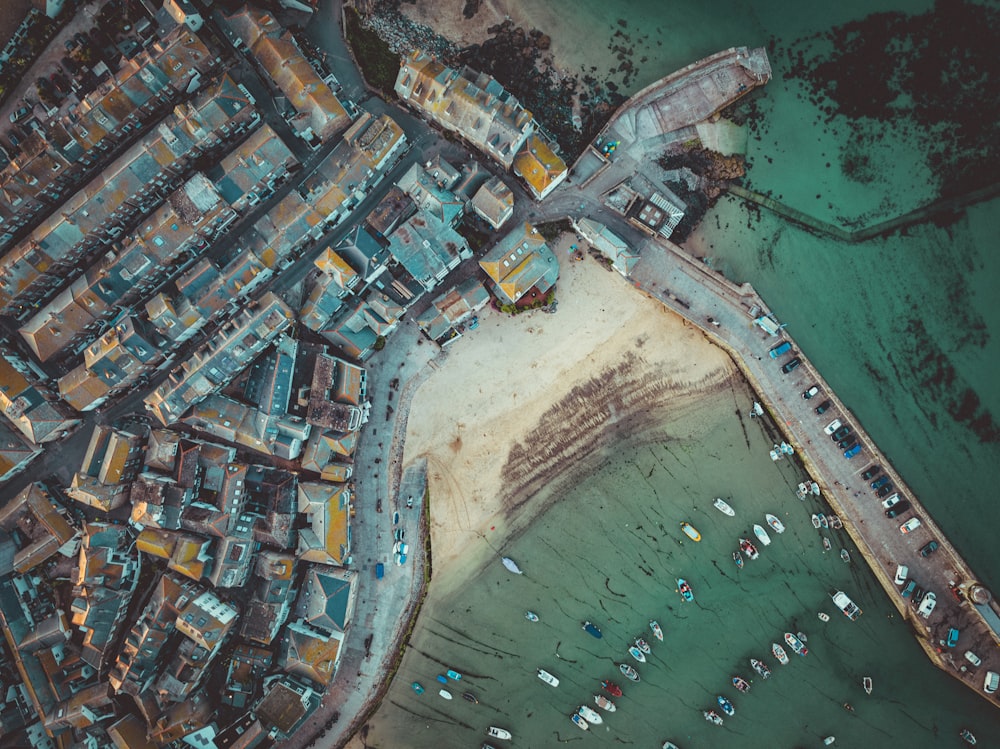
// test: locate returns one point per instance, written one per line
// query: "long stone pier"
(725, 313)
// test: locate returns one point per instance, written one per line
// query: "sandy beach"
(522, 403)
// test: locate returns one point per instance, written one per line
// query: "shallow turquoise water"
(610, 551)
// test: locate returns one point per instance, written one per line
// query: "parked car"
(833, 426)
(823, 407)
(810, 393)
(901, 572)
(780, 349)
(927, 605)
(952, 639)
(840, 433)
(972, 658)
(871, 472)
(19, 114)
(852, 451)
(908, 589)
(790, 366)
(910, 525)
(890, 501)
(879, 482)
(884, 490)
(992, 682)
(897, 509)
(848, 441)
(927, 549)
(918, 596)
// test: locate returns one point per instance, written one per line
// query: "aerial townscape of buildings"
(188, 294)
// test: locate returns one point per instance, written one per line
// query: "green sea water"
(904, 328)
(610, 551)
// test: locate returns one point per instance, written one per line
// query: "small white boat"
(657, 630)
(823, 521)
(637, 654)
(814, 487)
(803, 491)
(643, 645)
(531, 616)
(445, 693)
(779, 653)
(796, 644)
(498, 733)
(547, 677)
(826, 544)
(829, 740)
(723, 506)
(823, 617)
(690, 531)
(772, 520)
(590, 715)
(579, 722)
(511, 565)
(761, 534)
(669, 745)
(712, 717)
(845, 555)
(775, 455)
(835, 522)
(815, 520)
(866, 683)
(604, 703)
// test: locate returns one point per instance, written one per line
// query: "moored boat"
(580, 722)
(531, 616)
(628, 672)
(829, 740)
(845, 555)
(772, 520)
(726, 705)
(740, 683)
(760, 533)
(690, 531)
(637, 654)
(657, 630)
(684, 589)
(795, 644)
(454, 675)
(779, 653)
(470, 697)
(669, 745)
(611, 688)
(850, 609)
(815, 520)
(748, 548)
(738, 558)
(967, 736)
(823, 616)
(590, 715)
(547, 677)
(417, 687)
(802, 636)
(498, 733)
(511, 565)
(824, 523)
(712, 717)
(723, 506)
(760, 667)
(866, 684)
(442, 678)
(604, 703)
(487, 746)
(827, 546)
(643, 645)
(445, 693)
(835, 522)
(592, 629)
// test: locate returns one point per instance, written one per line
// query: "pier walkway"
(699, 295)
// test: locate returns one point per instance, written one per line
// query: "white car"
(992, 682)
(901, 572)
(910, 525)
(833, 426)
(927, 605)
(891, 500)
(973, 658)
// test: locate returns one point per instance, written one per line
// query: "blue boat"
(417, 687)
(592, 629)
(685, 590)
(726, 705)
(454, 675)
(442, 679)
